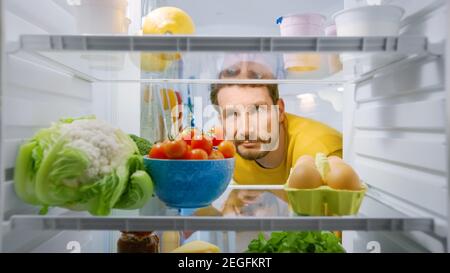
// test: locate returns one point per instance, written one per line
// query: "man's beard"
(252, 155)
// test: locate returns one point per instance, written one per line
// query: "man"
(257, 161)
(295, 136)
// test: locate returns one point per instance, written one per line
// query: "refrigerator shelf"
(145, 223)
(200, 59)
(401, 44)
(268, 214)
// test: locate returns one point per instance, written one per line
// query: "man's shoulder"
(307, 127)
(308, 136)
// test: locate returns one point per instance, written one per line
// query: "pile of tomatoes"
(192, 145)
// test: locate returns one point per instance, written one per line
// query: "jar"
(138, 242)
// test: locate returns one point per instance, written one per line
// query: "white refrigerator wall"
(395, 132)
(32, 97)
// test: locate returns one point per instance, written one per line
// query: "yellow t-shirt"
(304, 137)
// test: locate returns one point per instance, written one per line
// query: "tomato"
(198, 154)
(216, 141)
(202, 142)
(188, 134)
(175, 149)
(227, 148)
(215, 155)
(216, 134)
(188, 153)
(157, 151)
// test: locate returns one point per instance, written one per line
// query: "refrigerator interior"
(394, 118)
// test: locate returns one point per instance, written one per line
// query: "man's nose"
(247, 128)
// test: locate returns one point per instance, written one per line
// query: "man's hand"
(239, 199)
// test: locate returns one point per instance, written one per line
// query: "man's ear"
(281, 110)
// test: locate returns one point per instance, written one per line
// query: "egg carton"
(325, 201)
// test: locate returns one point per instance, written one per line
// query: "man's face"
(250, 118)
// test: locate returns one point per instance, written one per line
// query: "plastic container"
(369, 21)
(334, 62)
(381, 20)
(310, 24)
(100, 16)
(325, 201)
(189, 183)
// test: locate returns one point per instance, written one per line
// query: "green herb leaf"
(297, 242)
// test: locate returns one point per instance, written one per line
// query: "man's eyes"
(251, 110)
(231, 72)
(235, 71)
(255, 75)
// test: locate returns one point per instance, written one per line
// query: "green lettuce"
(297, 242)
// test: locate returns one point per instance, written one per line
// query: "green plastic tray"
(325, 201)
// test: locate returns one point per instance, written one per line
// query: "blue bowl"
(189, 183)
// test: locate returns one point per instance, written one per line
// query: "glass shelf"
(266, 212)
(200, 59)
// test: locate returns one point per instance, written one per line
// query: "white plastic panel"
(419, 116)
(424, 155)
(10, 152)
(426, 17)
(12, 204)
(39, 76)
(392, 242)
(396, 179)
(34, 96)
(386, 85)
(34, 13)
(75, 242)
(36, 113)
(395, 135)
(56, 241)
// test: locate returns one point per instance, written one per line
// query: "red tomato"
(202, 142)
(188, 153)
(216, 135)
(198, 154)
(157, 151)
(188, 134)
(227, 148)
(175, 149)
(215, 155)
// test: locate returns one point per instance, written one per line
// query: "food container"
(334, 62)
(310, 24)
(369, 21)
(100, 16)
(189, 183)
(325, 201)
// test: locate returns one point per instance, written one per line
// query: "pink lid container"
(307, 24)
(302, 24)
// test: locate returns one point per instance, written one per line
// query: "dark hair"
(271, 88)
